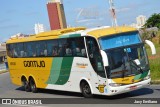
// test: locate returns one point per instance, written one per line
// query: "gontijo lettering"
(34, 64)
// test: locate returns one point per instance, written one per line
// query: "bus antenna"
(113, 13)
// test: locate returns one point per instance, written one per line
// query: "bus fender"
(85, 79)
(31, 76)
(25, 76)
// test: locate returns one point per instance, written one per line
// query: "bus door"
(96, 59)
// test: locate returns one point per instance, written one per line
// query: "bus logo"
(101, 88)
(81, 65)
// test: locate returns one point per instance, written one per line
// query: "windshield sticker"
(127, 50)
(119, 40)
(137, 61)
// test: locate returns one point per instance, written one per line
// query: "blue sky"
(21, 15)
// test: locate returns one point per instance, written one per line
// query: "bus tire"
(33, 86)
(26, 85)
(86, 90)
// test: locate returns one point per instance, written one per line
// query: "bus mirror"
(104, 58)
(151, 45)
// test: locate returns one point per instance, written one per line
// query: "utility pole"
(113, 13)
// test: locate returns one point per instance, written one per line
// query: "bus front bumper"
(127, 88)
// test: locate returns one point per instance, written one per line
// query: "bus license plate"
(133, 87)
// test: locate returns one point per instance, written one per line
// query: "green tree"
(158, 37)
(153, 21)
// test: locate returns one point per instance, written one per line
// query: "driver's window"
(95, 56)
(92, 47)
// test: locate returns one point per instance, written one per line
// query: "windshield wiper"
(139, 68)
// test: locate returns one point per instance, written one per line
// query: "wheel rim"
(86, 89)
(32, 85)
(26, 86)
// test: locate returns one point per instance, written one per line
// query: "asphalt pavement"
(8, 90)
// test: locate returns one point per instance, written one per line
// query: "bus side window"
(62, 47)
(68, 47)
(20, 50)
(41, 49)
(49, 48)
(25, 49)
(81, 46)
(45, 52)
(52, 48)
(10, 50)
(30, 49)
(83, 51)
(78, 47)
(15, 54)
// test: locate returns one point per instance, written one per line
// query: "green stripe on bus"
(141, 76)
(137, 77)
(55, 70)
(65, 70)
(144, 74)
(70, 35)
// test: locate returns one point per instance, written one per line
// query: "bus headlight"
(115, 84)
(147, 77)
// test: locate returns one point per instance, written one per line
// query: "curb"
(3, 71)
(155, 82)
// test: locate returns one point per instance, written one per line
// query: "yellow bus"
(104, 60)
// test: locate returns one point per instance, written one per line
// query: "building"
(141, 20)
(38, 28)
(134, 25)
(2, 52)
(56, 14)
(19, 35)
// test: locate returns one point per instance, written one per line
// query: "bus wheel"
(86, 90)
(33, 86)
(26, 85)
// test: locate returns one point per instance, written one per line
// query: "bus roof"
(47, 35)
(110, 31)
(72, 32)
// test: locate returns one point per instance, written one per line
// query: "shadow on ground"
(157, 89)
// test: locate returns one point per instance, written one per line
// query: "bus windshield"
(126, 54)
(127, 61)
